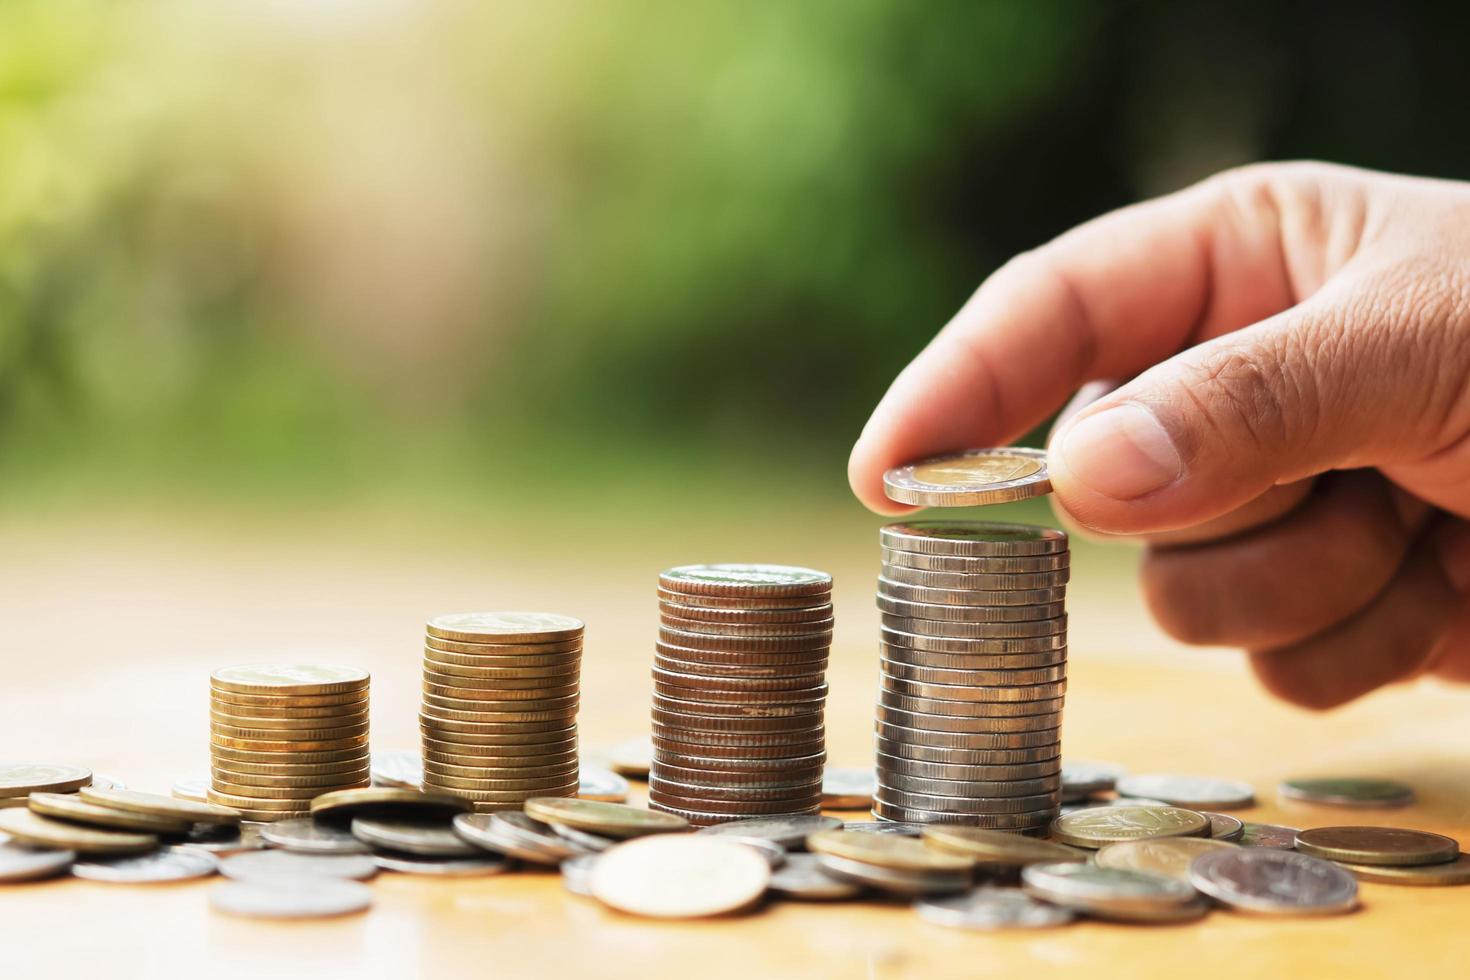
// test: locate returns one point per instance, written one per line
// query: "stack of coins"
(739, 691)
(974, 663)
(499, 717)
(283, 734)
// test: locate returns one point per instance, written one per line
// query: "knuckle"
(1256, 395)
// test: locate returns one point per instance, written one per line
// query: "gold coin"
(334, 780)
(70, 807)
(455, 733)
(356, 802)
(313, 679)
(503, 654)
(25, 778)
(998, 846)
(535, 767)
(439, 667)
(544, 783)
(289, 734)
(516, 797)
(288, 723)
(246, 804)
(975, 476)
(888, 851)
(160, 806)
(261, 745)
(494, 682)
(272, 816)
(346, 701)
(1456, 872)
(504, 627)
(354, 755)
(494, 721)
(680, 876)
(453, 697)
(1377, 845)
(31, 828)
(608, 819)
(301, 794)
(1167, 856)
(1101, 825)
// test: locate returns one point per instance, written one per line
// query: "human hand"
(1292, 447)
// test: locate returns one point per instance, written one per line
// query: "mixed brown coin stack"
(281, 735)
(974, 662)
(499, 716)
(740, 691)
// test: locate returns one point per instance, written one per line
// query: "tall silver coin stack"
(740, 691)
(499, 715)
(974, 665)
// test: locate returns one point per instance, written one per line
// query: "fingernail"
(1122, 453)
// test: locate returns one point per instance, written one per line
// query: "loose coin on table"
(1188, 791)
(608, 819)
(1109, 893)
(1274, 882)
(679, 876)
(975, 476)
(151, 804)
(480, 865)
(632, 757)
(424, 837)
(989, 908)
(1456, 872)
(289, 864)
(888, 851)
(1097, 826)
(790, 832)
(1167, 856)
(309, 837)
(1377, 845)
(72, 808)
(397, 768)
(346, 804)
(1347, 791)
(294, 898)
(847, 789)
(22, 779)
(35, 830)
(898, 881)
(164, 864)
(999, 847)
(19, 863)
(601, 785)
(1225, 827)
(1267, 835)
(516, 835)
(802, 877)
(576, 874)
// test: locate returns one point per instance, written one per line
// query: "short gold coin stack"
(281, 735)
(974, 667)
(499, 716)
(740, 691)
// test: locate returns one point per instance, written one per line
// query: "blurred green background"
(588, 254)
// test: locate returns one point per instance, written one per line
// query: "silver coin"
(1268, 835)
(789, 832)
(911, 617)
(972, 677)
(404, 770)
(164, 864)
(895, 880)
(1105, 892)
(1348, 791)
(972, 652)
(984, 564)
(975, 580)
(774, 853)
(1225, 827)
(904, 745)
(990, 908)
(592, 843)
(847, 789)
(18, 863)
(195, 789)
(309, 837)
(576, 874)
(1082, 779)
(291, 898)
(1277, 882)
(443, 867)
(424, 838)
(900, 827)
(601, 784)
(942, 770)
(1005, 620)
(987, 821)
(516, 835)
(802, 877)
(967, 789)
(971, 599)
(259, 865)
(225, 840)
(972, 696)
(1188, 791)
(972, 538)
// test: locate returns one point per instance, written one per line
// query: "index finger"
(1107, 299)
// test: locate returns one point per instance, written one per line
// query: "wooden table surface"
(109, 633)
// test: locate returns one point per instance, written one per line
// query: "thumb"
(1339, 381)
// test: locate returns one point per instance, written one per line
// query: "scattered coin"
(1097, 826)
(399, 769)
(1268, 835)
(1225, 827)
(1456, 872)
(226, 840)
(1348, 791)
(1377, 845)
(679, 876)
(847, 789)
(478, 866)
(164, 864)
(22, 779)
(898, 881)
(151, 804)
(608, 819)
(602, 785)
(1254, 879)
(1188, 791)
(289, 864)
(999, 847)
(18, 863)
(1109, 893)
(991, 908)
(773, 853)
(899, 827)
(1167, 856)
(576, 874)
(27, 827)
(346, 804)
(889, 851)
(291, 898)
(591, 843)
(1083, 779)
(516, 835)
(789, 832)
(70, 807)
(424, 837)
(306, 836)
(802, 877)
(632, 758)
(975, 476)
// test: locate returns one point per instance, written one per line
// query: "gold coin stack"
(974, 666)
(739, 691)
(283, 734)
(499, 716)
